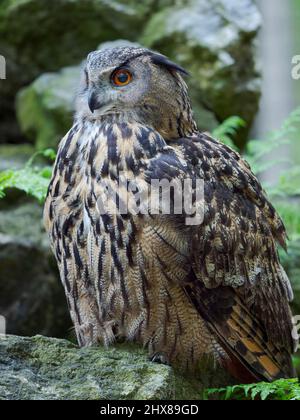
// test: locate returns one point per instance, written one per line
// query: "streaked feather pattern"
(178, 290)
(184, 292)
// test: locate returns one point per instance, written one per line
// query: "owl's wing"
(238, 284)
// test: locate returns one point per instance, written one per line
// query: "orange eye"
(121, 77)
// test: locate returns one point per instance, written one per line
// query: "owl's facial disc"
(131, 84)
(100, 98)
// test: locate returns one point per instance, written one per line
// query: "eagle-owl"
(183, 291)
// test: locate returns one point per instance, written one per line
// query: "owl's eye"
(121, 77)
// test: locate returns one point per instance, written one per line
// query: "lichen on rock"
(38, 36)
(41, 368)
(215, 40)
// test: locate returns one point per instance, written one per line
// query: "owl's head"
(135, 84)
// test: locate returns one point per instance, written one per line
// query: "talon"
(160, 358)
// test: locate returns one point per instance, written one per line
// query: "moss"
(44, 109)
(46, 368)
(214, 41)
(38, 36)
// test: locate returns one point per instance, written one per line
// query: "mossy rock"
(45, 108)
(41, 368)
(14, 156)
(221, 85)
(32, 298)
(215, 41)
(38, 36)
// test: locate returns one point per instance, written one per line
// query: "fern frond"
(32, 180)
(284, 389)
(228, 129)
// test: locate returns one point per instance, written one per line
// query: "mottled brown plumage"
(216, 289)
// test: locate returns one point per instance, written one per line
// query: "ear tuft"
(161, 60)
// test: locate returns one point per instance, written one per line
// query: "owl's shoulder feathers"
(238, 284)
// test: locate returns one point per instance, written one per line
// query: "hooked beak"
(93, 101)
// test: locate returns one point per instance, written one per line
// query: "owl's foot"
(160, 358)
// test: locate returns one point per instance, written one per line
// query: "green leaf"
(284, 389)
(50, 154)
(32, 181)
(228, 129)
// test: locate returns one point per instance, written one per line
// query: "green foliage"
(286, 192)
(228, 129)
(258, 154)
(289, 211)
(32, 179)
(297, 363)
(284, 390)
(258, 151)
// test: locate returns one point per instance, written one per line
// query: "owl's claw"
(160, 358)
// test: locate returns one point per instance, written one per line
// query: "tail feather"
(252, 356)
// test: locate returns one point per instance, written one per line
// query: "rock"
(32, 298)
(41, 36)
(42, 368)
(45, 108)
(215, 41)
(14, 156)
